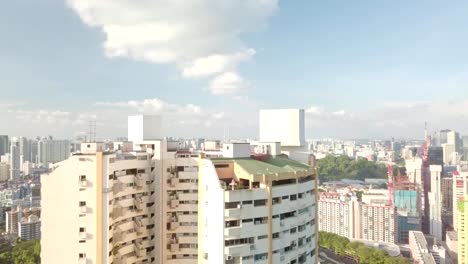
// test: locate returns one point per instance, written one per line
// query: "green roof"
(276, 164)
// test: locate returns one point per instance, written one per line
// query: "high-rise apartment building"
(24, 148)
(4, 145)
(460, 190)
(435, 202)
(4, 171)
(139, 203)
(29, 228)
(447, 200)
(52, 150)
(449, 153)
(99, 207)
(259, 208)
(379, 223)
(462, 221)
(443, 136)
(15, 160)
(453, 138)
(12, 219)
(339, 216)
(420, 250)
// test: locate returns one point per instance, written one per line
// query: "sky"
(360, 69)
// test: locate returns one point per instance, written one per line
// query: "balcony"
(117, 235)
(140, 250)
(117, 211)
(117, 187)
(174, 247)
(173, 226)
(83, 183)
(173, 201)
(139, 227)
(139, 204)
(82, 235)
(140, 180)
(174, 182)
(82, 260)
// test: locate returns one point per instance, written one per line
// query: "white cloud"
(228, 83)
(201, 37)
(154, 106)
(315, 110)
(216, 63)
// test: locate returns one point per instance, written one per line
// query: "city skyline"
(360, 70)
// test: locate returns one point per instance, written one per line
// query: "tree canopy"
(333, 168)
(24, 252)
(366, 255)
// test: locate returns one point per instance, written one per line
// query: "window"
(82, 255)
(82, 203)
(260, 202)
(82, 229)
(82, 177)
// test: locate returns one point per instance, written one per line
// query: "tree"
(337, 168)
(25, 252)
(366, 255)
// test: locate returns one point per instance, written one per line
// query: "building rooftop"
(268, 165)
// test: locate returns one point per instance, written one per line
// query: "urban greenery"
(24, 252)
(364, 254)
(333, 168)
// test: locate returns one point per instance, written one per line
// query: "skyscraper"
(4, 145)
(462, 220)
(454, 139)
(435, 202)
(15, 160)
(25, 149)
(52, 150)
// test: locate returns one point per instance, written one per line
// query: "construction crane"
(390, 182)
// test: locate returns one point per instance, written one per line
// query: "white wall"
(282, 125)
(212, 200)
(144, 127)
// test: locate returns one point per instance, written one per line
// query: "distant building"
(420, 251)
(446, 184)
(436, 155)
(449, 151)
(338, 217)
(4, 171)
(462, 224)
(29, 228)
(4, 145)
(379, 223)
(453, 138)
(452, 244)
(15, 161)
(52, 151)
(459, 190)
(408, 204)
(435, 202)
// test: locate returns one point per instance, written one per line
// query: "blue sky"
(361, 68)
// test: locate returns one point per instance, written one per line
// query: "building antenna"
(92, 131)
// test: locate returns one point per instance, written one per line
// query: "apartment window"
(82, 229)
(82, 255)
(260, 202)
(82, 203)
(82, 178)
(293, 197)
(262, 237)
